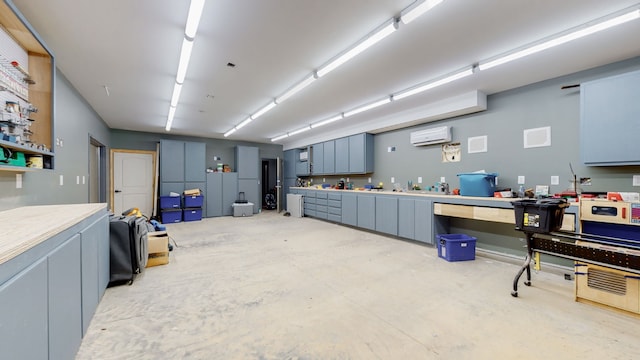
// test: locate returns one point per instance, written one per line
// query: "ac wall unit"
(431, 136)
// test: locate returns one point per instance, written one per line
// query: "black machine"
(270, 200)
(340, 184)
(127, 248)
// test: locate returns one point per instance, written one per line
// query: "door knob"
(118, 191)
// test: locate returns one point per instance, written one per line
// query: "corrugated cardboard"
(158, 247)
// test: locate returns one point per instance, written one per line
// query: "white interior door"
(133, 183)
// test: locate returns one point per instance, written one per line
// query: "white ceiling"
(132, 46)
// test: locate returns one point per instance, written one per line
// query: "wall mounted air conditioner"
(431, 136)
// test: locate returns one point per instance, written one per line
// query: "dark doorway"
(268, 183)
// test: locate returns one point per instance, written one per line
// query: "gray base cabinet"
(251, 189)
(423, 228)
(367, 212)
(350, 209)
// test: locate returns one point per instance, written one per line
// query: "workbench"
(54, 268)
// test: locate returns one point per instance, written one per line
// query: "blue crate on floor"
(171, 216)
(456, 247)
(169, 202)
(193, 201)
(194, 214)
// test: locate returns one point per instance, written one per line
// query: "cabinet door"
(23, 314)
(171, 161)
(342, 156)
(229, 192)
(367, 212)
(65, 300)
(424, 221)
(168, 187)
(251, 192)
(214, 194)
(329, 160)
(317, 155)
(387, 214)
(302, 168)
(94, 266)
(247, 162)
(356, 153)
(290, 164)
(610, 120)
(194, 162)
(350, 209)
(406, 218)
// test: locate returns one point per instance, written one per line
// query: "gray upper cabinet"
(361, 153)
(195, 162)
(290, 164)
(303, 167)
(329, 160)
(610, 120)
(172, 161)
(247, 162)
(317, 156)
(342, 155)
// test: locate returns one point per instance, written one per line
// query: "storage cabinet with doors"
(222, 192)
(386, 214)
(31, 85)
(334, 206)
(413, 219)
(50, 291)
(289, 174)
(342, 155)
(609, 126)
(303, 159)
(328, 159)
(182, 167)
(361, 153)
(248, 168)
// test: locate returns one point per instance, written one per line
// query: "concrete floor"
(275, 287)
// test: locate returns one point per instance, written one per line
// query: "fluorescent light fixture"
(230, 132)
(261, 112)
(177, 88)
(299, 131)
(562, 38)
(433, 84)
(301, 85)
(368, 107)
(328, 121)
(419, 9)
(193, 19)
(280, 137)
(185, 55)
(172, 113)
(368, 41)
(242, 124)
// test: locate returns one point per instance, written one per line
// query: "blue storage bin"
(169, 202)
(477, 184)
(192, 214)
(171, 216)
(456, 247)
(193, 201)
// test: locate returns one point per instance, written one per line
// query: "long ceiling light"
(296, 132)
(573, 34)
(377, 35)
(280, 137)
(328, 121)
(230, 132)
(262, 111)
(413, 12)
(432, 84)
(368, 107)
(191, 27)
(242, 124)
(301, 85)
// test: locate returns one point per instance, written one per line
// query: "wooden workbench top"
(25, 227)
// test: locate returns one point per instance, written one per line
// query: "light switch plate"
(393, 179)
(18, 181)
(369, 180)
(77, 179)
(83, 180)
(61, 180)
(442, 179)
(636, 180)
(555, 180)
(419, 179)
(520, 180)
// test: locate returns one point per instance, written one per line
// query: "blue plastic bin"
(192, 214)
(169, 202)
(171, 216)
(193, 201)
(477, 184)
(456, 247)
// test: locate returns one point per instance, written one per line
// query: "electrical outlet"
(348, 180)
(61, 143)
(57, 141)
(78, 180)
(636, 180)
(393, 179)
(369, 180)
(419, 179)
(555, 180)
(83, 180)
(323, 180)
(520, 180)
(443, 180)
(61, 180)
(18, 181)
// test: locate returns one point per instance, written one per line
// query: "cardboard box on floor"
(158, 247)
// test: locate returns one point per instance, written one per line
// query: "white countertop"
(25, 227)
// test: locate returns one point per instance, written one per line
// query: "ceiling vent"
(431, 136)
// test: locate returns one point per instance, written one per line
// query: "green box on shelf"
(17, 159)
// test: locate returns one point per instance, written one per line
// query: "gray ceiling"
(132, 46)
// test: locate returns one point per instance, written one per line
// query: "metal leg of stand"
(526, 266)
